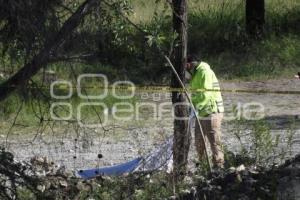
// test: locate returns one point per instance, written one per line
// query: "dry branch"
(44, 56)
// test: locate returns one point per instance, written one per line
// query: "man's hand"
(297, 75)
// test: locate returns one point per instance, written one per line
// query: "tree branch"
(43, 57)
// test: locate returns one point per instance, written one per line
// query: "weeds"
(217, 33)
(261, 144)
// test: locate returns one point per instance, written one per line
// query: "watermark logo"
(123, 109)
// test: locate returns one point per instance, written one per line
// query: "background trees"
(49, 49)
(255, 17)
(106, 43)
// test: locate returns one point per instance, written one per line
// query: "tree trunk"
(181, 134)
(42, 58)
(255, 17)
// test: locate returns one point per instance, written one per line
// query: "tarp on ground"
(110, 171)
(159, 159)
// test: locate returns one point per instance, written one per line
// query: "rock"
(252, 171)
(71, 151)
(188, 180)
(240, 168)
(47, 184)
(63, 183)
(41, 173)
(239, 178)
(172, 198)
(41, 188)
(193, 190)
(199, 178)
(185, 191)
(37, 160)
(80, 185)
(232, 169)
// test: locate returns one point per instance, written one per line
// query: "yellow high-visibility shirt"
(206, 102)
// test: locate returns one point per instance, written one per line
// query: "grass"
(221, 33)
(268, 59)
(30, 110)
(259, 141)
(144, 10)
(216, 32)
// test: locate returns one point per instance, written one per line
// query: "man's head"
(192, 63)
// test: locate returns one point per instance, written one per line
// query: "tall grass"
(216, 32)
(144, 9)
(26, 113)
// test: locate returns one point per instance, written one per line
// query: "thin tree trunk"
(42, 58)
(181, 134)
(255, 17)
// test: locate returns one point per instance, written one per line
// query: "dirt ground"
(78, 148)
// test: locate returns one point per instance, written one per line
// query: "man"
(209, 105)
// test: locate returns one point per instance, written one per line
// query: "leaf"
(150, 39)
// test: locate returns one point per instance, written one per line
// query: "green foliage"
(262, 141)
(217, 33)
(263, 147)
(8, 106)
(25, 194)
(31, 109)
(133, 186)
(26, 24)
(269, 58)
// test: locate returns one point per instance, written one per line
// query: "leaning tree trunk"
(181, 134)
(255, 17)
(50, 48)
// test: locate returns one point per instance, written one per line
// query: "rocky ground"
(68, 148)
(41, 179)
(77, 148)
(249, 183)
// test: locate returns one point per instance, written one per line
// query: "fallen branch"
(193, 108)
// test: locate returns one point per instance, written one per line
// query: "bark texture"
(181, 134)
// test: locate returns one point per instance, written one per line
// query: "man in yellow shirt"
(209, 105)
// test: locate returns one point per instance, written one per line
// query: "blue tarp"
(159, 159)
(110, 171)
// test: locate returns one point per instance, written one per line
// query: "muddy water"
(128, 139)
